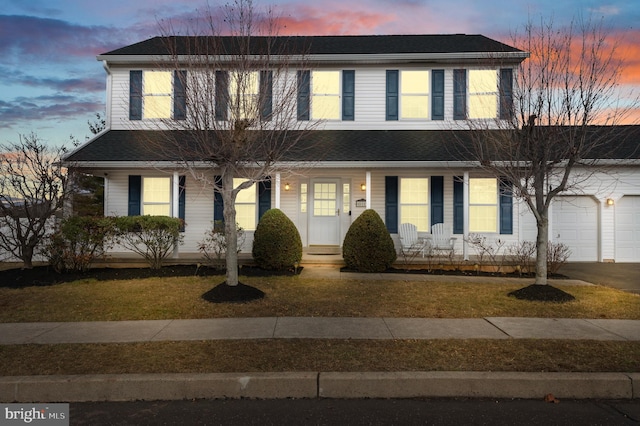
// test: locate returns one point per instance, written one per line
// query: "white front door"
(325, 211)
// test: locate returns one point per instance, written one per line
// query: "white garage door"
(575, 223)
(628, 229)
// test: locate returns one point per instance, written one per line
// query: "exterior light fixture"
(287, 186)
(363, 187)
(609, 201)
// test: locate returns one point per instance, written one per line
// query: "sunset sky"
(51, 83)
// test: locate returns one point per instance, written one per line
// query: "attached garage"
(575, 224)
(627, 233)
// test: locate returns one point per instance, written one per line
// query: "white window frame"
(249, 105)
(414, 95)
(315, 112)
(495, 205)
(147, 109)
(156, 203)
(240, 202)
(482, 92)
(404, 205)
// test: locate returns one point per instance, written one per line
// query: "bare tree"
(558, 120)
(238, 116)
(32, 191)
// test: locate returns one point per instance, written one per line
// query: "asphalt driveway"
(623, 276)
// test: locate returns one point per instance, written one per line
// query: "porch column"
(277, 183)
(465, 208)
(105, 196)
(368, 189)
(175, 205)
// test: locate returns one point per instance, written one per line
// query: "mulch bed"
(45, 276)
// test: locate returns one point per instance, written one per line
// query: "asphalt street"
(356, 412)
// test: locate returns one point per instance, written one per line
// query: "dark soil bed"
(44, 275)
(453, 272)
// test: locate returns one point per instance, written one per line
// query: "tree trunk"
(230, 229)
(542, 245)
(27, 257)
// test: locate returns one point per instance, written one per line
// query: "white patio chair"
(409, 240)
(441, 238)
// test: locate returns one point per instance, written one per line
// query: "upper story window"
(482, 94)
(326, 95)
(244, 94)
(157, 88)
(415, 94)
(157, 95)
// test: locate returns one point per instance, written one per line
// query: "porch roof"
(333, 146)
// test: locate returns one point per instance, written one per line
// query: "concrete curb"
(129, 387)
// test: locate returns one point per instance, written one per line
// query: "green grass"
(180, 298)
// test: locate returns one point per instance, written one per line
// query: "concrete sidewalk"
(314, 384)
(318, 328)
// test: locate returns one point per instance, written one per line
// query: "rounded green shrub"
(368, 246)
(276, 242)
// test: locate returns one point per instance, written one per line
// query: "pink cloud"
(309, 20)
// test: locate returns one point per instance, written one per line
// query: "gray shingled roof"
(338, 146)
(324, 45)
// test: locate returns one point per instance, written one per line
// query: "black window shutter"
(266, 95)
(264, 197)
(304, 94)
(459, 94)
(437, 199)
(218, 206)
(458, 205)
(437, 95)
(506, 93)
(182, 200)
(135, 95)
(348, 95)
(222, 95)
(392, 95)
(506, 206)
(180, 94)
(391, 203)
(135, 195)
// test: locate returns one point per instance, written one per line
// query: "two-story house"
(389, 111)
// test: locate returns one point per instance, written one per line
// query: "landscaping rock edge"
(410, 384)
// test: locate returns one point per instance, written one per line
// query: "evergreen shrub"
(276, 242)
(368, 246)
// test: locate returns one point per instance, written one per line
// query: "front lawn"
(180, 298)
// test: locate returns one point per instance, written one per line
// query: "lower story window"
(246, 212)
(414, 202)
(156, 196)
(483, 205)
